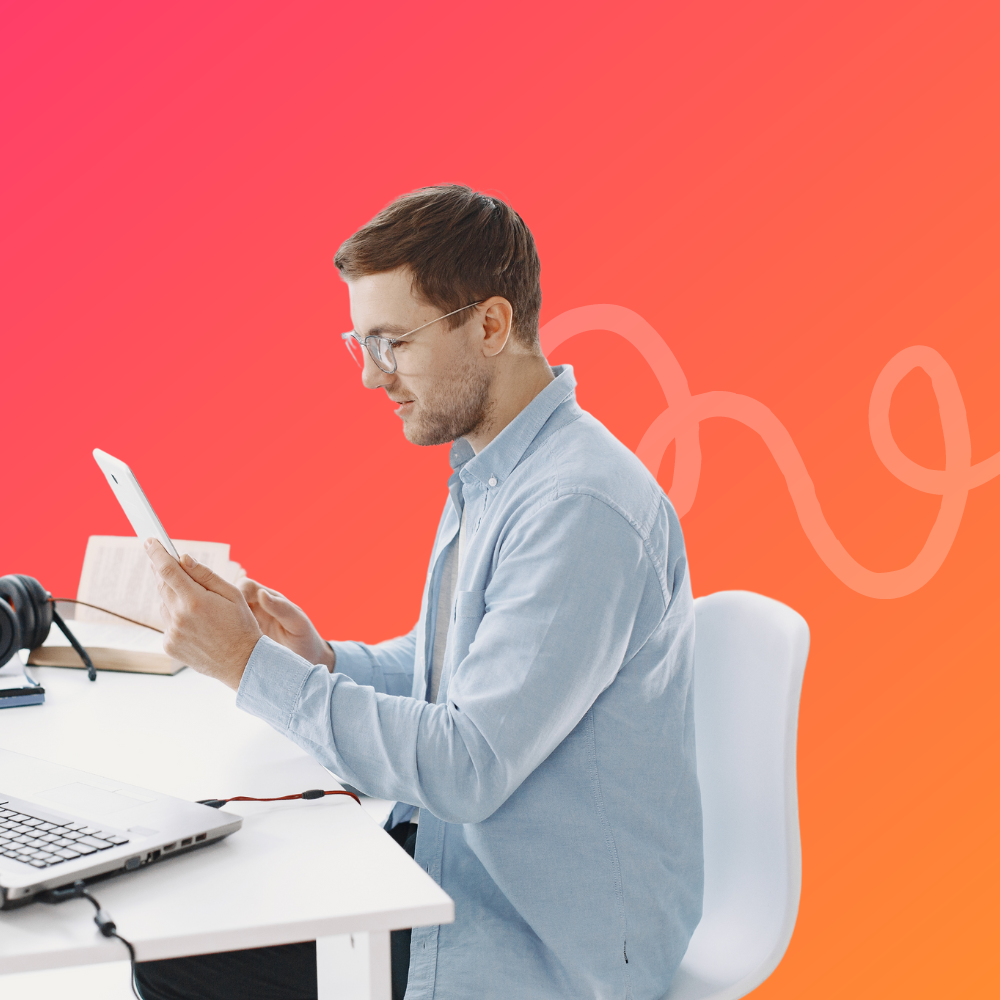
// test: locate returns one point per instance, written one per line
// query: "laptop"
(58, 825)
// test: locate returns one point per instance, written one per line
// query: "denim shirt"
(555, 775)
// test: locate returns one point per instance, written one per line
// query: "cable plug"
(212, 803)
(104, 923)
(60, 895)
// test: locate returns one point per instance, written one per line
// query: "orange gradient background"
(789, 193)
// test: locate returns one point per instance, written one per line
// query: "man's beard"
(454, 412)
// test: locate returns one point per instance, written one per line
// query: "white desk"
(296, 871)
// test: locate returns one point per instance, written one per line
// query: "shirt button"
(493, 480)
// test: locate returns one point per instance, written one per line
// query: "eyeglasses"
(380, 348)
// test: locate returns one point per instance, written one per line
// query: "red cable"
(282, 798)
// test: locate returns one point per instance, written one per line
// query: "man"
(536, 725)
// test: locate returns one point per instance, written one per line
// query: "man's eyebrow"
(380, 330)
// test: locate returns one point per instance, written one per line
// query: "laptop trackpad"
(88, 800)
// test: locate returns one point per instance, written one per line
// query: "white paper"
(12, 673)
(117, 575)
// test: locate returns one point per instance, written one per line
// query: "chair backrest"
(750, 655)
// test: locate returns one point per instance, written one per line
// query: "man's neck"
(513, 389)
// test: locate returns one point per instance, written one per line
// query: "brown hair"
(461, 246)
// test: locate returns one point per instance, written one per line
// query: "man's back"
(589, 871)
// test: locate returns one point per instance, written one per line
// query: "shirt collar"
(499, 458)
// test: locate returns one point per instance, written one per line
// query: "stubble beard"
(456, 410)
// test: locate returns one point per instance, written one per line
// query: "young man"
(536, 725)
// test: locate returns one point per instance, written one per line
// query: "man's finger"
(167, 568)
(203, 576)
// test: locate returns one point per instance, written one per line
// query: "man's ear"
(497, 323)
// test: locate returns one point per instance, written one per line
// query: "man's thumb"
(276, 604)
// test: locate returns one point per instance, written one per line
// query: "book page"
(117, 575)
(110, 634)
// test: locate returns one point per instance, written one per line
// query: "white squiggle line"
(680, 423)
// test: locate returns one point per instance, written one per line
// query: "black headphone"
(26, 616)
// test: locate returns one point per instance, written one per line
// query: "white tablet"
(129, 493)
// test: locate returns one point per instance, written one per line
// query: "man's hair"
(461, 246)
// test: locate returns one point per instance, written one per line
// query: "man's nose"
(372, 377)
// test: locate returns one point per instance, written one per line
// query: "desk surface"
(295, 871)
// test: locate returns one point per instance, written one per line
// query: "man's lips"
(404, 406)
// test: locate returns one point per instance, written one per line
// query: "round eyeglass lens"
(383, 353)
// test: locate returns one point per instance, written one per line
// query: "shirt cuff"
(272, 682)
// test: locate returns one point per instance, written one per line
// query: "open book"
(117, 576)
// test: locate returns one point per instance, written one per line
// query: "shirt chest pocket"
(470, 607)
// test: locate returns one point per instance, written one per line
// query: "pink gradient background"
(789, 195)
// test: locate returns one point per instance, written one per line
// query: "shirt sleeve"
(386, 666)
(573, 596)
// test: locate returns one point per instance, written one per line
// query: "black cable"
(78, 890)
(80, 651)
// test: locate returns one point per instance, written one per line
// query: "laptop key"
(101, 845)
(84, 849)
(66, 854)
(115, 839)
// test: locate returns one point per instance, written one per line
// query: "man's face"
(442, 381)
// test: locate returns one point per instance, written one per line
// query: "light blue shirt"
(555, 775)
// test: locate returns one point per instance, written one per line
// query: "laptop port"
(186, 841)
(201, 836)
(170, 847)
(152, 856)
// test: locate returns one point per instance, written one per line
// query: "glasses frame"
(390, 342)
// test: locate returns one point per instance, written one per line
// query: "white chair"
(750, 655)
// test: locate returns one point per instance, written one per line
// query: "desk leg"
(354, 967)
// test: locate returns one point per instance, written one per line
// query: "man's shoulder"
(581, 456)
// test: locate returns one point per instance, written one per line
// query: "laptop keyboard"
(41, 843)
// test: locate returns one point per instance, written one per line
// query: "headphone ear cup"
(41, 607)
(10, 627)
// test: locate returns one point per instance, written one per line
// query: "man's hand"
(207, 623)
(286, 623)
